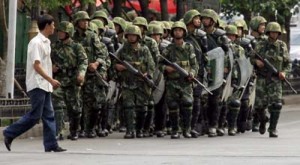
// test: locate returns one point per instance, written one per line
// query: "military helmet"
(93, 27)
(188, 16)
(210, 14)
(120, 21)
(140, 21)
(231, 29)
(110, 24)
(167, 25)
(99, 24)
(241, 24)
(101, 14)
(81, 15)
(133, 29)
(178, 24)
(66, 27)
(256, 21)
(221, 24)
(273, 27)
(155, 29)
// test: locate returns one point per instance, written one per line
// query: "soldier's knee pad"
(187, 102)
(234, 103)
(172, 105)
(276, 106)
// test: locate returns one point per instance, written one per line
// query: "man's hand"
(93, 66)
(120, 67)
(259, 63)
(281, 75)
(55, 83)
(169, 69)
(55, 68)
(80, 80)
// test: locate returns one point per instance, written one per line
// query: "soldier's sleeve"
(257, 50)
(82, 60)
(154, 51)
(193, 61)
(150, 62)
(100, 50)
(161, 64)
(286, 65)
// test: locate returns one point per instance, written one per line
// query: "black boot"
(262, 120)
(140, 121)
(174, 119)
(187, 115)
(129, 135)
(274, 117)
(74, 125)
(129, 119)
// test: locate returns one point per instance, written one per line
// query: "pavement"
(247, 148)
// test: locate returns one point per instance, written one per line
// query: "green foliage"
(54, 4)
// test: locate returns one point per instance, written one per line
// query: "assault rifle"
(183, 73)
(135, 72)
(103, 82)
(272, 70)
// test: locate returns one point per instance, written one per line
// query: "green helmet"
(99, 24)
(231, 29)
(210, 14)
(167, 25)
(110, 24)
(273, 27)
(81, 15)
(93, 27)
(178, 24)
(188, 16)
(66, 27)
(256, 21)
(120, 21)
(140, 21)
(101, 14)
(155, 29)
(153, 22)
(222, 24)
(133, 29)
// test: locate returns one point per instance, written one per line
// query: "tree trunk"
(117, 10)
(288, 30)
(144, 6)
(180, 9)
(3, 55)
(91, 8)
(164, 10)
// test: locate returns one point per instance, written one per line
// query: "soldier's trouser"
(196, 106)
(58, 106)
(244, 113)
(268, 94)
(94, 95)
(135, 102)
(160, 114)
(179, 99)
(149, 115)
(213, 111)
(72, 97)
(223, 115)
(233, 110)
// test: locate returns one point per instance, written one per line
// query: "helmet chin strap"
(66, 37)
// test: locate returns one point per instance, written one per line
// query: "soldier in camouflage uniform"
(135, 92)
(193, 23)
(269, 87)
(120, 26)
(179, 90)
(215, 38)
(69, 65)
(258, 26)
(141, 22)
(94, 90)
(234, 102)
(102, 16)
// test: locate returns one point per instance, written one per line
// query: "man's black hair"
(43, 20)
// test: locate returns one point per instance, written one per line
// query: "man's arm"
(39, 69)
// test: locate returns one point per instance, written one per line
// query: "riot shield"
(159, 81)
(216, 68)
(228, 89)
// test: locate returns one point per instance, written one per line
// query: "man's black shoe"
(56, 149)
(7, 142)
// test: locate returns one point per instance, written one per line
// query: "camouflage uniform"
(94, 90)
(153, 47)
(135, 92)
(59, 107)
(179, 91)
(71, 60)
(269, 87)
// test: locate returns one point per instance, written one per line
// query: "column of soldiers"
(139, 77)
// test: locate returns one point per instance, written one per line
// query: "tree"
(164, 10)
(180, 9)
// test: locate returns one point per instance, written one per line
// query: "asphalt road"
(248, 148)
